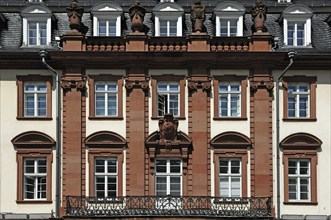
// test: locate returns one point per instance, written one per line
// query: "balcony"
(186, 206)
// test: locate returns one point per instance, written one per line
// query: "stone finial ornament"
(137, 14)
(198, 16)
(75, 13)
(259, 15)
(168, 128)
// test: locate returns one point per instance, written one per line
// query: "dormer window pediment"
(107, 19)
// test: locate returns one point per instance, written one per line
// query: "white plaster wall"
(321, 129)
(117, 126)
(9, 128)
(154, 124)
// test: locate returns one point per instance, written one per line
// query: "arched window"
(36, 26)
(34, 167)
(231, 158)
(229, 19)
(105, 155)
(107, 19)
(300, 167)
(168, 19)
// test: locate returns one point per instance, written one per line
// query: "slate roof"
(11, 21)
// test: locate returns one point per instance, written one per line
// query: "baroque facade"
(165, 108)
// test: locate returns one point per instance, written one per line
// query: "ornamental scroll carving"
(137, 83)
(268, 85)
(259, 15)
(75, 13)
(68, 84)
(194, 85)
(198, 16)
(137, 14)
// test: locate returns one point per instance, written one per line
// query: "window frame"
(229, 11)
(107, 11)
(229, 175)
(312, 97)
(231, 145)
(168, 175)
(301, 146)
(93, 80)
(242, 80)
(105, 175)
(20, 81)
(168, 79)
(297, 14)
(37, 13)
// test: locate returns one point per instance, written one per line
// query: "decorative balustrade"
(114, 44)
(229, 44)
(169, 206)
(167, 44)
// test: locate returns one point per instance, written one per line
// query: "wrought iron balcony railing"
(259, 207)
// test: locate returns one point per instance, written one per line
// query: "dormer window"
(229, 18)
(36, 26)
(297, 26)
(107, 19)
(168, 19)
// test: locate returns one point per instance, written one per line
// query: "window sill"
(159, 117)
(34, 201)
(35, 118)
(229, 118)
(300, 203)
(105, 118)
(300, 119)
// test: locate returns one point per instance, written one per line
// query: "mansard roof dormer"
(37, 29)
(168, 19)
(229, 17)
(107, 19)
(297, 25)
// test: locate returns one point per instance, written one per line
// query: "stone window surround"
(312, 104)
(243, 104)
(33, 144)
(231, 145)
(107, 78)
(105, 144)
(20, 96)
(301, 146)
(168, 78)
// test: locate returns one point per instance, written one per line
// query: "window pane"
(175, 166)
(29, 166)
(224, 186)
(112, 166)
(29, 187)
(161, 166)
(99, 166)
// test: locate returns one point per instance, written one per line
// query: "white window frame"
(167, 100)
(297, 94)
(35, 1)
(37, 192)
(168, 11)
(230, 175)
(296, 14)
(105, 175)
(168, 174)
(298, 177)
(284, 1)
(109, 12)
(36, 94)
(229, 94)
(230, 11)
(106, 94)
(39, 14)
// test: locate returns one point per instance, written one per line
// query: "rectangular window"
(168, 177)
(298, 100)
(107, 27)
(35, 181)
(105, 177)
(228, 27)
(299, 180)
(37, 33)
(106, 99)
(230, 177)
(229, 99)
(168, 99)
(35, 99)
(296, 34)
(168, 28)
